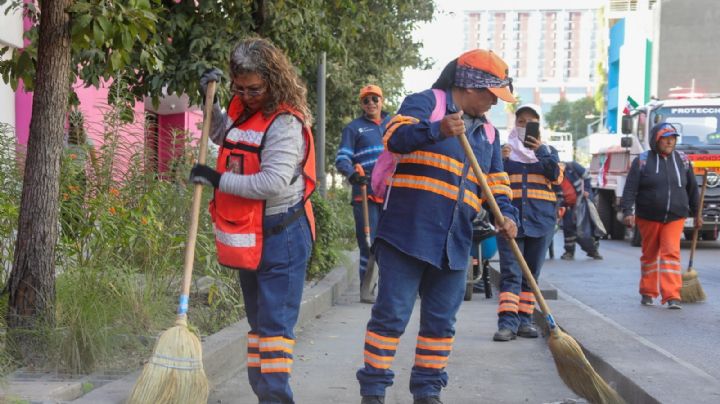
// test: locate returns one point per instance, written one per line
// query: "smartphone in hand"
(532, 129)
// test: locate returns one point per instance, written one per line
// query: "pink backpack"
(387, 161)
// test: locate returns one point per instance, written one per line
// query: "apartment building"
(552, 47)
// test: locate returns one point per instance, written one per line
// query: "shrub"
(335, 231)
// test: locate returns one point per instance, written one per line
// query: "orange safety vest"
(238, 221)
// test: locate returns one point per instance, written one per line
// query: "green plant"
(87, 387)
(11, 184)
(335, 231)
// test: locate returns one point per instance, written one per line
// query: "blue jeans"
(441, 291)
(373, 214)
(512, 280)
(272, 297)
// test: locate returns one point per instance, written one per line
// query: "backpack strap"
(440, 105)
(489, 131)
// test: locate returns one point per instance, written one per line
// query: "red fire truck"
(697, 118)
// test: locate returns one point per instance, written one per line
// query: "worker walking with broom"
(361, 144)
(264, 226)
(662, 189)
(424, 235)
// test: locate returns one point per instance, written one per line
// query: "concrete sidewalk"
(330, 336)
(329, 351)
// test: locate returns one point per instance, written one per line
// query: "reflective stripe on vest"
(537, 186)
(238, 221)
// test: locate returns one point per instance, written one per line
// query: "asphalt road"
(610, 287)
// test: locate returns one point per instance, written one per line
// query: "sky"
(442, 41)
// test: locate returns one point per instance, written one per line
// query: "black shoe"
(595, 256)
(567, 256)
(646, 300)
(674, 305)
(427, 400)
(373, 400)
(527, 331)
(504, 334)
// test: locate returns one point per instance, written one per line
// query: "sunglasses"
(250, 92)
(374, 98)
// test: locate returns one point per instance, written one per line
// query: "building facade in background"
(11, 34)
(552, 48)
(159, 129)
(660, 46)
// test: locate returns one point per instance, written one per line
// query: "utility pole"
(320, 133)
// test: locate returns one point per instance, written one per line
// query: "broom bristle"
(175, 372)
(577, 372)
(691, 290)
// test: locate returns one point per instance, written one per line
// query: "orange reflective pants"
(660, 256)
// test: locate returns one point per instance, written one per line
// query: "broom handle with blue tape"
(195, 209)
(495, 209)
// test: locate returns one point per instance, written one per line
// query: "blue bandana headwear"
(467, 77)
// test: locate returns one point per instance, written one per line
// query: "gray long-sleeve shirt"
(279, 181)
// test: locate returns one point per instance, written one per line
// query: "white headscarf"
(518, 151)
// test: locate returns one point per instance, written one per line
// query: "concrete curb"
(224, 351)
(640, 371)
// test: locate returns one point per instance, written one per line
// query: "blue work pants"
(441, 291)
(272, 297)
(373, 214)
(512, 280)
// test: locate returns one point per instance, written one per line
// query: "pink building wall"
(93, 105)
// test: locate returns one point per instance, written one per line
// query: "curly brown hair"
(284, 86)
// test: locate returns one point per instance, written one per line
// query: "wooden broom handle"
(366, 213)
(495, 209)
(696, 230)
(197, 197)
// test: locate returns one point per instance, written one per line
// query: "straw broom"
(691, 290)
(174, 374)
(572, 365)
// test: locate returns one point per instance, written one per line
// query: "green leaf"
(105, 25)
(98, 35)
(116, 60)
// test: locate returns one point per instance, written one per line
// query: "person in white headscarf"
(533, 169)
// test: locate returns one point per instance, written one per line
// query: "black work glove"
(204, 175)
(211, 74)
(357, 179)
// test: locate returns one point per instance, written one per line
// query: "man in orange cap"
(424, 234)
(361, 143)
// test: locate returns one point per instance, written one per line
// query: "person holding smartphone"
(533, 169)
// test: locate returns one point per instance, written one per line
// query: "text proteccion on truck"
(697, 119)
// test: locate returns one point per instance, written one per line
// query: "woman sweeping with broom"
(662, 187)
(264, 226)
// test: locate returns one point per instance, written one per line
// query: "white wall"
(11, 30)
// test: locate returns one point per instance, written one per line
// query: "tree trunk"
(32, 280)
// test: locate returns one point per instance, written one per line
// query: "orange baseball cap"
(370, 89)
(488, 62)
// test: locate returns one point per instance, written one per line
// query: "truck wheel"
(709, 235)
(604, 211)
(635, 240)
(614, 228)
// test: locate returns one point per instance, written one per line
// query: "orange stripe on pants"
(660, 261)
